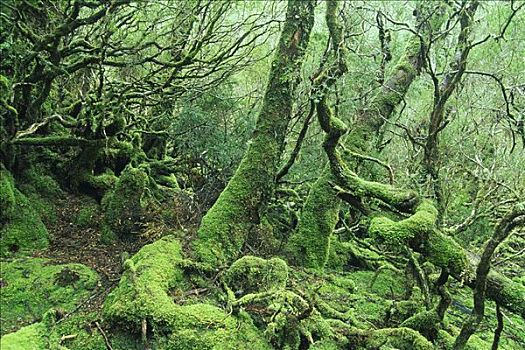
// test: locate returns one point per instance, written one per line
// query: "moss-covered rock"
(124, 206)
(32, 286)
(23, 230)
(251, 274)
(78, 332)
(37, 180)
(86, 216)
(142, 292)
(206, 327)
(398, 338)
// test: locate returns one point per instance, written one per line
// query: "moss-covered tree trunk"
(238, 209)
(309, 245)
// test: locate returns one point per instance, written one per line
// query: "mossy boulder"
(22, 230)
(251, 274)
(76, 332)
(38, 180)
(124, 206)
(87, 215)
(31, 286)
(398, 338)
(207, 327)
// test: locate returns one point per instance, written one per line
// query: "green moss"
(226, 225)
(398, 338)
(86, 215)
(241, 205)
(80, 327)
(30, 337)
(169, 181)
(32, 286)
(36, 180)
(107, 236)
(427, 323)
(324, 345)
(386, 283)
(309, 245)
(143, 294)
(403, 309)
(7, 194)
(206, 327)
(124, 206)
(88, 336)
(23, 230)
(103, 182)
(347, 255)
(509, 293)
(251, 274)
(445, 252)
(398, 233)
(446, 341)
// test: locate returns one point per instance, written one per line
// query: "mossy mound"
(251, 274)
(42, 190)
(22, 230)
(30, 337)
(124, 206)
(207, 327)
(7, 195)
(32, 286)
(86, 216)
(143, 295)
(78, 332)
(142, 292)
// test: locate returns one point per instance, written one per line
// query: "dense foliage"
(203, 174)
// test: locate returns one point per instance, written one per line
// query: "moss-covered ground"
(160, 299)
(31, 286)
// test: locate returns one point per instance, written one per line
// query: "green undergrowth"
(29, 337)
(380, 305)
(42, 190)
(251, 274)
(80, 331)
(86, 217)
(31, 286)
(513, 336)
(143, 294)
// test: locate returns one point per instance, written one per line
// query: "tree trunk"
(238, 209)
(309, 245)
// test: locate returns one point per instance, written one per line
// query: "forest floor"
(83, 242)
(72, 243)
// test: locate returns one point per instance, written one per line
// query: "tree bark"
(309, 244)
(238, 209)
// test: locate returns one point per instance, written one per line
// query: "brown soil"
(70, 243)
